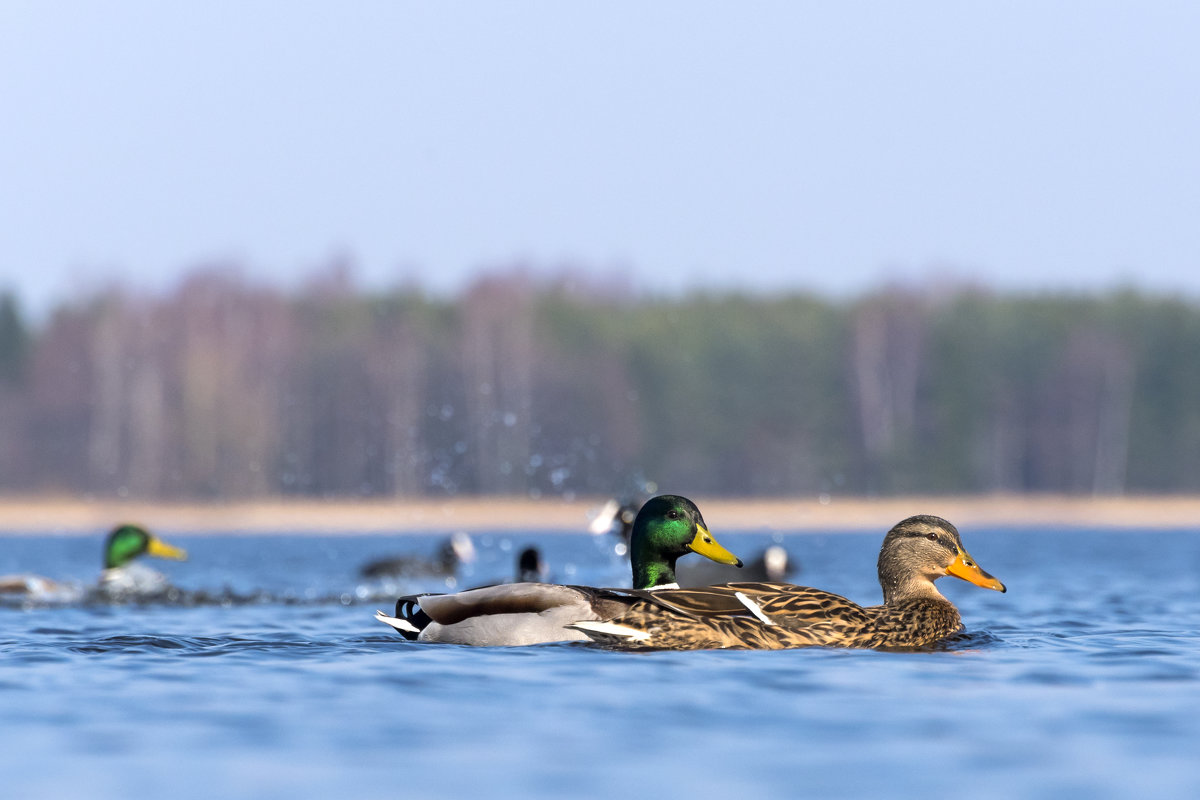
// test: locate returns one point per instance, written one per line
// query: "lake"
(268, 678)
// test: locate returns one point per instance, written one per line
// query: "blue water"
(1082, 681)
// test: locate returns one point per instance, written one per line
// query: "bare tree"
(498, 350)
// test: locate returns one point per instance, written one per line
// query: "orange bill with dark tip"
(965, 567)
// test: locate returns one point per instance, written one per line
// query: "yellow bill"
(157, 547)
(704, 544)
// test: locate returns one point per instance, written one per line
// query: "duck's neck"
(653, 573)
(120, 554)
(915, 587)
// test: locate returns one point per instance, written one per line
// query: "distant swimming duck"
(769, 616)
(531, 567)
(456, 551)
(666, 528)
(616, 517)
(39, 589)
(122, 577)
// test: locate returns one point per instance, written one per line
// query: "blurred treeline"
(225, 389)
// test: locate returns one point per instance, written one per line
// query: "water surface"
(269, 678)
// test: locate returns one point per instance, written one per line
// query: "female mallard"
(666, 528)
(122, 577)
(770, 616)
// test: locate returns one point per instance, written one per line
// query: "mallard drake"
(121, 577)
(666, 528)
(770, 616)
(616, 517)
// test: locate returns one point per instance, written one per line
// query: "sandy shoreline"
(73, 516)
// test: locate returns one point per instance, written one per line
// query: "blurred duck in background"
(123, 576)
(38, 589)
(531, 567)
(616, 516)
(450, 557)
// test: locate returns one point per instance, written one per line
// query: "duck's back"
(511, 614)
(771, 616)
(751, 615)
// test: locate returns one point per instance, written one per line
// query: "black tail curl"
(408, 608)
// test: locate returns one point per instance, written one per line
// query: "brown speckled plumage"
(914, 615)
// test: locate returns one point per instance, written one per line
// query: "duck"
(121, 578)
(666, 528)
(531, 567)
(616, 517)
(773, 565)
(39, 589)
(770, 616)
(454, 552)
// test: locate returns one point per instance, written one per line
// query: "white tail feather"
(396, 622)
(611, 629)
(754, 608)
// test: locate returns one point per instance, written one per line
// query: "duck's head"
(918, 551)
(127, 542)
(667, 527)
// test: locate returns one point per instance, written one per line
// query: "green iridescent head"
(127, 542)
(667, 527)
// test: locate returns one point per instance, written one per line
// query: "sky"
(767, 146)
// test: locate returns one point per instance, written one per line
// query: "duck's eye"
(931, 537)
(672, 514)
